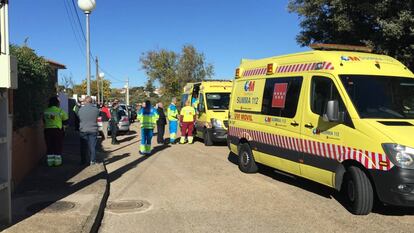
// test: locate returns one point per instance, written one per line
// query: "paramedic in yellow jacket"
(54, 117)
(148, 117)
(187, 116)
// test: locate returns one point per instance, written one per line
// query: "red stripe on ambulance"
(370, 160)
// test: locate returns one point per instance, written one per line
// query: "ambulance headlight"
(216, 123)
(402, 156)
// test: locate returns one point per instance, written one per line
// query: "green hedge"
(34, 87)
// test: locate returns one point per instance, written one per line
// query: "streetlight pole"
(87, 6)
(88, 56)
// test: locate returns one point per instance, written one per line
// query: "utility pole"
(127, 91)
(97, 80)
(102, 84)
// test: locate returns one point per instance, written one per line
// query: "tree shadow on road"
(47, 185)
(113, 176)
(159, 148)
(124, 169)
(127, 139)
(121, 147)
(116, 158)
(131, 132)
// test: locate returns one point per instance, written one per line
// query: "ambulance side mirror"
(332, 112)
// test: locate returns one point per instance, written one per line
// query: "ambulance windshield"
(218, 101)
(382, 97)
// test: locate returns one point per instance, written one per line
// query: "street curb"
(102, 206)
(93, 222)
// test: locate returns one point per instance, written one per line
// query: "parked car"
(100, 126)
(123, 125)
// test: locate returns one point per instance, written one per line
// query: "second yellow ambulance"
(337, 115)
(211, 98)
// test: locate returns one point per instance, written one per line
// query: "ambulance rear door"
(202, 118)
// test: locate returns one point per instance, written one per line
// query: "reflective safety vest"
(148, 120)
(188, 114)
(194, 102)
(172, 112)
(76, 109)
(53, 117)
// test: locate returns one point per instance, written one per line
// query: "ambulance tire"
(207, 138)
(359, 191)
(246, 159)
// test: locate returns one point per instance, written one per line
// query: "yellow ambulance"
(338, 115)
(211, 99)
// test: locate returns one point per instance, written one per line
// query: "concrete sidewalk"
(69, 198)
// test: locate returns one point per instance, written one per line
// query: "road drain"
(127, 206)
(51, 206)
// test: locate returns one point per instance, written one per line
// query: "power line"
(73, 29)
(110, 75)
(71, 12)
(79, 22)
(73, 21)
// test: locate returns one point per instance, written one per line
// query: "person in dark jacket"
(114, 122)
(161, 122)
(88, 128)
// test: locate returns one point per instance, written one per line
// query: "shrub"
(35, 87)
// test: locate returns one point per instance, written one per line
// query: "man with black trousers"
(114, 122)
(161, 122)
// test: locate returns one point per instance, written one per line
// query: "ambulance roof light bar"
(340, 47)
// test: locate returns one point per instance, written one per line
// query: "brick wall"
(27, 149)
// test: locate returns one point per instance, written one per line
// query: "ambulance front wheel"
(358, 191)
(246, 159)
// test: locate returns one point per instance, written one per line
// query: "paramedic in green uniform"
(148, 117)
(54, 117)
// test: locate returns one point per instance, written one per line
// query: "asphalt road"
(193, 188)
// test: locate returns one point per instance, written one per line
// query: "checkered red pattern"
(253, 72)
(305, 67)
(370, 160)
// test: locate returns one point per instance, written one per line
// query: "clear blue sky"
(224, 30)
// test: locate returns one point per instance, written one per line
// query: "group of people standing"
(55, 118)
(151, 117)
